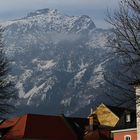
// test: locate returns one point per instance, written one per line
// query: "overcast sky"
(12, 9)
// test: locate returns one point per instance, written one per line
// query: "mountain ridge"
(58, 61)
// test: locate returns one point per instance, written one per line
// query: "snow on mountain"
(58, 60)
(44, 65)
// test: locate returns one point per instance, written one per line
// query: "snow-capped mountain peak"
(57, 59)
(52, 21)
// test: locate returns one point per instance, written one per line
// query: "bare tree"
(126, 46)
(7, 90)
(126, 23)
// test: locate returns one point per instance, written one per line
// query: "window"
(128, 117)
(127, 137)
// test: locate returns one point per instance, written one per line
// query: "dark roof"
(98, 134)
(78, 125)
(135, 83)
(121, 113)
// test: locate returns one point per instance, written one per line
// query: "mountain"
(57, 62)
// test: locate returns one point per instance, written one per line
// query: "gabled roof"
(37, 126)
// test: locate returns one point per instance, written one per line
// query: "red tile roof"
(39, 127)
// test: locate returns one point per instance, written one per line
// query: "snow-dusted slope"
(58, 60)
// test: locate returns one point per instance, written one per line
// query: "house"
(43, 127)
(101, 122)
(125, 129)
(120, 122)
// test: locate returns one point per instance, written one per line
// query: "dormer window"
(128, 117)
(127, 137)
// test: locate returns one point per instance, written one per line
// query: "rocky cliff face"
(58, 61)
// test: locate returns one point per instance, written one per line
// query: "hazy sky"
(12, 9)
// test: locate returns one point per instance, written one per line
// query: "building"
(101, 122)
(125, 129)
(43, 127)
(121, 122)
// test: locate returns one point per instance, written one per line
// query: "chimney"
(91, 111)
(91, 120)
(91, 123)
(137, 91)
